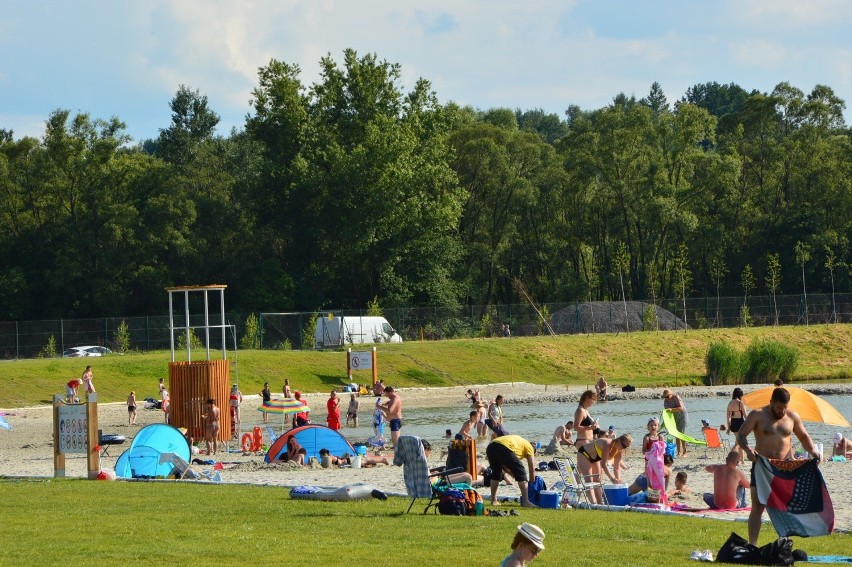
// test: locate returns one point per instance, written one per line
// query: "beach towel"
(655, 468)
(795, 496)
(410, 455)
(5, 424)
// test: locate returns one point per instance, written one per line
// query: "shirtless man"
(393, 412)
(211, 427)
(841, 447)
(729, 485)
(563, 434)
(773, 427)
(600, 388)
(467, 426)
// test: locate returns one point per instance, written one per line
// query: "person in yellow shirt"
(507, 452)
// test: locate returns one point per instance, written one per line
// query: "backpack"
(452, 503)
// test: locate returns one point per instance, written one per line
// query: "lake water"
(537, 421)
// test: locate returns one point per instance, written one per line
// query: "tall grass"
(769, 360)
(763, 361)
(724, 365)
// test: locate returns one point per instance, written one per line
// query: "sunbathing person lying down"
(327, 459)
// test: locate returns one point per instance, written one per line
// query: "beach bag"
(737, 550)
(671, 449)
(471, 497)
(534, 489)
(452, 503)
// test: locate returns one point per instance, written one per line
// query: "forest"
(353, 190)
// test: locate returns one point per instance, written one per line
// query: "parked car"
(86, 351)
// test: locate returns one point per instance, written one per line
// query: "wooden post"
(93, 456)
(58, 458)
(375, 367)
(349, 364)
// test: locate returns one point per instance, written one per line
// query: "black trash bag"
(738, 550)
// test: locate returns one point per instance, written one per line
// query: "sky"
(127, 59)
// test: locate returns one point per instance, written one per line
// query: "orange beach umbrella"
(810, 407)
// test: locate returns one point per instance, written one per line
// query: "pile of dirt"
(608, 317)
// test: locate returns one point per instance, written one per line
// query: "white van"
(339, 331)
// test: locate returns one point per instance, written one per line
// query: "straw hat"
(532, 533)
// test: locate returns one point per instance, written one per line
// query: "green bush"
(745, 317)
(724, 365)
(649, 318)
(485, 329)
(454, 327)
(194, 342)
(768, 360)
(121, 338)
(251, 337)
(48, 350)
(309, 337)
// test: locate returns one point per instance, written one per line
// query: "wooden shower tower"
(193, 382)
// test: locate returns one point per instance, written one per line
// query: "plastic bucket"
(616, 494)
(361, 450)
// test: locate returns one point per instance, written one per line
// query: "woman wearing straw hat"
(528, 542)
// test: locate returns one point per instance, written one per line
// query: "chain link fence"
(27, 339)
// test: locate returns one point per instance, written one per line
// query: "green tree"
(773, 280)
(803, 256)
(718, 271)
(830, 265)
(193, 123)
(684, 278)
(622, 264)
(747, 281)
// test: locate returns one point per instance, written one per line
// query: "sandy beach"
(27, 449)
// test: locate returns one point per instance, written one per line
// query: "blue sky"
(127, 59)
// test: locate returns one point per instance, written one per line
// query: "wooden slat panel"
(191, 384)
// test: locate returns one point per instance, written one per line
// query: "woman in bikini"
(595, 455)
(584, 424)
(735, 416)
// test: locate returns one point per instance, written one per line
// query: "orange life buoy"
(247, 443)
(257, 441)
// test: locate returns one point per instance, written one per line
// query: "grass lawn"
(642, 359)
(79, 522)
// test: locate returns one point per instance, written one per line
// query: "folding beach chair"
(714, 441)
(576, 486)
(410, 455)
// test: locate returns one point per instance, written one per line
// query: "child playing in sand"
(681, 487)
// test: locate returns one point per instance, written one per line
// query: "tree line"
(353, 190)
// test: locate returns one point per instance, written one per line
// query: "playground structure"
(193, 382)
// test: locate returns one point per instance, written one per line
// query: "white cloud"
(759, 53)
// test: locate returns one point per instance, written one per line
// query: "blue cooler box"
(616, 494)
(548, 499)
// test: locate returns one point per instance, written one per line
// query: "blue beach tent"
(143, 458)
